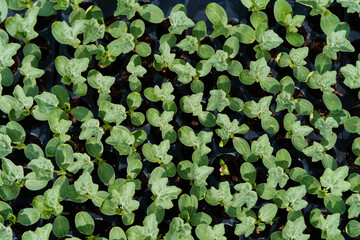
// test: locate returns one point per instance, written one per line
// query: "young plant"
(192, 104)
(23, 27)
(163, 94)
(318, 7)
(336, 41)
(163, 122)
(324, 82)
(120, 202)
(261, 111)
(204, 232)
(286, 101)
(294, 229)
(334, 184)
(197, 172)
(149, 12)
(296, 132)
(134, 67)
(188, 138)
(218, 17)
(137, 29)
(284, 16)
(178, 20)
(188, 206)
(250, 222)
(158, 154)
(221, 60)
(317, 152)
(71, 70)
(259, 71)
(162, 193)
(295, 59)
(328, 226)
(102, 83)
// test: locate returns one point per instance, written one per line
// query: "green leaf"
(326, 126)
(334, 203)
(352, 6)
(281, 10)
(85, 186)
(270, 40)
(192, 104)
(11, 172)
(98, 81)
(354, 209)
(83, 161)
(178, 230)
(164, 194)
(350, 73)
(219, 60)
(267, 212)
(353, 228)
(318, 7)
(244, 33)
(64, 155)
(61, 4)
(332, 102)
(70, 70)
(93, 31)
(23, 27)
(255, 6)
(148, 231)
(5, 145)
(334, 180)
(60, 226)
(7, 51)
(116, 233)
(6, 232)
(185, 72)
(43, 168)
(293, 198)
(65, 34)
(315, 151)
(151, 13)
(228, 128)
(295, 229)
(91, 128)
(106, 173)
(336, 41)
(277, 176)
(218, 100)
(157, 153)
(189, 44)
(121, 139)
(246, 227)
(261, 147)
(84, 223)
(28, 216)
(123, 197)
(111, 112)
(179, 22)
(245, 195)
(220, 196)
(329, 226)
(298, 55)
(216, 14)
(205, 232)
(127, 7)
(199, 174)
(41, 233)
(3, 10)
